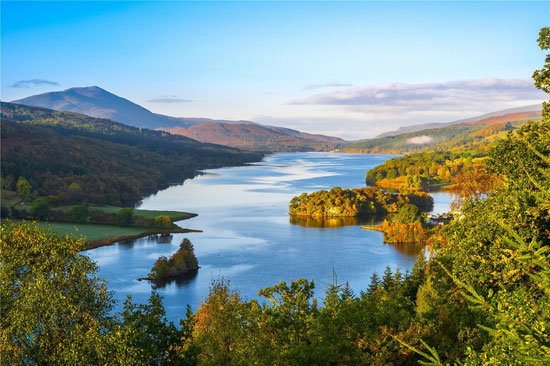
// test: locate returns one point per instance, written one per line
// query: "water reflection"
(149, 239)
(179, 281)
(409, 249)
(335, 222)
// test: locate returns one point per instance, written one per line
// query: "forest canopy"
(340, 202)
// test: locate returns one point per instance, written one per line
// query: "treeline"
(340, 202)
(460, 137)
(71, 158)
(407, 227)
(426, 169)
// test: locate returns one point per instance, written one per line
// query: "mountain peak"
(97, 102)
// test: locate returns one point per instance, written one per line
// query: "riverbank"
(99, 235)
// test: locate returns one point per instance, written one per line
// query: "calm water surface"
(248, 236)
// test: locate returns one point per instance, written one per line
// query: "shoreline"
(98, 243)
(93, 244)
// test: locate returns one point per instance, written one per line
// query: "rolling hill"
(478, 134)
(97, 102)
(531, 111)
(254, 136)
(76, 158)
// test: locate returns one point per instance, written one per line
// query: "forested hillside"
(425, 170)
(467, 136)
(252, 136)
(76, 158)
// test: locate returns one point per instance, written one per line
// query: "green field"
(92, 232)
(111, 209)
(145, 213)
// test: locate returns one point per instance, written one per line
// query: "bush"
(40, 209)
(163, 222)
(23, 188)
(125, 216)
(409, 214)
(101, 217)
(79, 214)
(141, 221)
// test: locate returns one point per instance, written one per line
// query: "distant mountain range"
(97, 102)
(258, 136)
(528, 111)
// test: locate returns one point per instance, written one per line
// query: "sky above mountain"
(349, 69)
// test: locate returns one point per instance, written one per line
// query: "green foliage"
(409, 214)
(79, 213)
(40, 209)
(146, 329)
(542, 76)
(181, 262)
(54, 309)
(163, 222)
(125, 216)
(23, 188)
(354, 202)
(112, 163)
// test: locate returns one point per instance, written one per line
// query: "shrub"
(23, 187)
(125, 216)
(79, 213)
(409, 214)
(101, 217)
(40, 209)
(141, 221)
(163, 222)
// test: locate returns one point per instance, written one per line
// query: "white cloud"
(452, 95)
(169, 99)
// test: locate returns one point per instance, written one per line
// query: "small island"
(340, 202)
(407, 227)
(181, 263)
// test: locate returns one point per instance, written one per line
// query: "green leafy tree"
(125, 216)
(23, 187)
(55, 310)
(40, 209)
(409, 214)
(79, 213)
(542, 76)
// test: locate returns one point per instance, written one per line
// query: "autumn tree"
(23, 187)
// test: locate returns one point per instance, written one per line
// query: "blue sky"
(352, 69)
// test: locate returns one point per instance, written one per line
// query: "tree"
(23, 188)
(125, 216)
(409, 214)
(40, 209)
(374, 283)
(542, 76)
(79, 213)
(55, 310)
(163, 222)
